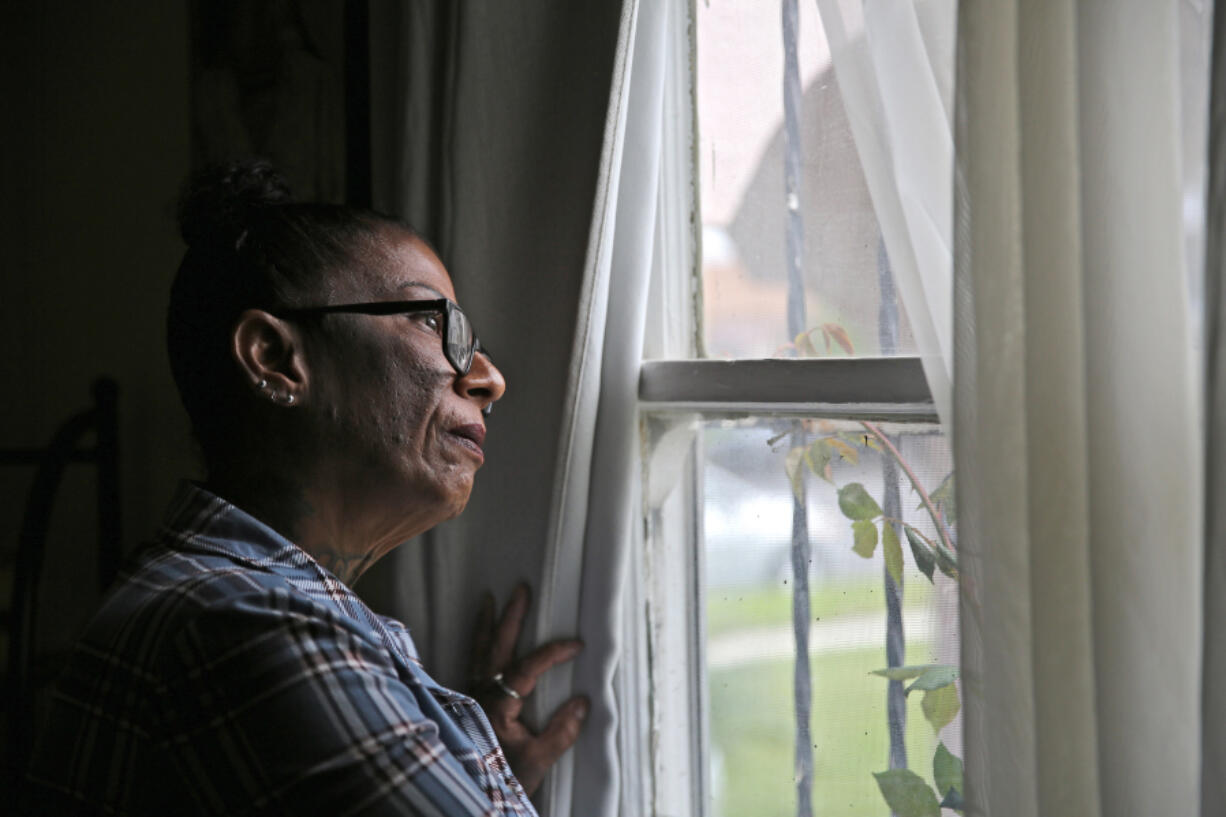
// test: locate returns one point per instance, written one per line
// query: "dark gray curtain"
(487, 126)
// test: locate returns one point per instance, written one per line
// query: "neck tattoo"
(345, 566)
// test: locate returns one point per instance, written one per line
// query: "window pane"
(743, 202)
(747, 626)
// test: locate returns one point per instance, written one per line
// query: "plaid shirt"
(229, 673)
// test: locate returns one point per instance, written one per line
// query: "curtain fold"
(1213, 691)
(591, 517)
(1077, 413)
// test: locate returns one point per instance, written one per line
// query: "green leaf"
(946, 771)
(940, 706)
(855, 503)
(953, 800)
(847, 452)
(943, 499)
(817, 457)
(935, 677)
(892, 551)
(947, 561)
(795, 473)
(907, 794)
(865, 533)
(901, 672)
(941, 555)
(904, 673)
(924, 559)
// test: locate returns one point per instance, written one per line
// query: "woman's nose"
(484, 382)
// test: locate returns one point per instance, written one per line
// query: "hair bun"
(218, 202)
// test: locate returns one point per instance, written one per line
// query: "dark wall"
(95, 146)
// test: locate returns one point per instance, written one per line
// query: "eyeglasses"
(459, 342)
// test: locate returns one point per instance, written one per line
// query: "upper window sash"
(887, 388)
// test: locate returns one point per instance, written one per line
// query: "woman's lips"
(471, 436)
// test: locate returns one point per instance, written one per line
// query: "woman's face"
(397, 421)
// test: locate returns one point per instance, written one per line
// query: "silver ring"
(497, 681)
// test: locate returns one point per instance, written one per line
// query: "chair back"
(67, 446)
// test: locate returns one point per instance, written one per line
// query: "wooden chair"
(67, 446)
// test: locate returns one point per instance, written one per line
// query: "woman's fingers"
(535, 755)
(493, 652)
(523, 676)
(483, 636)
(505, 709)
(562, 730)
(508, 628)
(564, 726)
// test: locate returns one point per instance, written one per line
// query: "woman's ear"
(269, 351)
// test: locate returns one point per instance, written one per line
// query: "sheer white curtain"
(1078, 414)
(894, 65)
(1063, 355)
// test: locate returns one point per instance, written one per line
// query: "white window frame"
(663, 740)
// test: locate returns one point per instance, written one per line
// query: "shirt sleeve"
(276, 704)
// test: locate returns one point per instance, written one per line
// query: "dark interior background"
(481, 123)
(96, 143)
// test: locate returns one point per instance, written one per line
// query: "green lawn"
(740, 608)
(752, 734)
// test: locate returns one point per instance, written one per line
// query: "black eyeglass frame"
(459, 349)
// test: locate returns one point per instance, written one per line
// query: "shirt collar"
(197, 519)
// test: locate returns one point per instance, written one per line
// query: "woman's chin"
(448, 501)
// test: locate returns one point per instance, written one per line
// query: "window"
(796, 607)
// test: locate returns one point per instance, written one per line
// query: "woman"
(338, 395)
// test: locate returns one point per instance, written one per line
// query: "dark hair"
(249, 246)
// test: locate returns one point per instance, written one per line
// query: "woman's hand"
(493, 657)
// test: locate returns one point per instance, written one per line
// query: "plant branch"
(937, 519)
